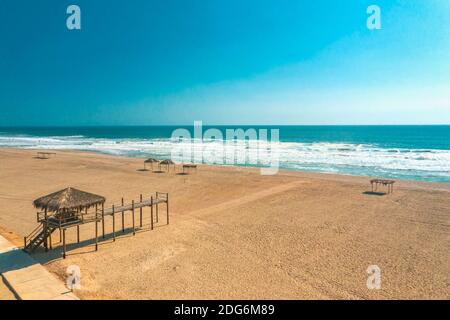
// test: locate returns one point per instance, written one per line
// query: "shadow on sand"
(87, 245)
(374, 193)
(14, 260)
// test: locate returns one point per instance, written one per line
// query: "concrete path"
(27, 278)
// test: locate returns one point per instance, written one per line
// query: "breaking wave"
(341, 158)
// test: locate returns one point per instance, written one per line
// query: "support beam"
(167, 208)
(64, 243)
(151, 218)
(103, 220)
(45, 225)
(123, 220)
(114, 223)
(140, 212)
(78, 234)
(96, 234)
(45, 237)
(157, 213)
(132, 211)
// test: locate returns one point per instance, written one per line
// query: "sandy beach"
(235, 234)
(5, 292)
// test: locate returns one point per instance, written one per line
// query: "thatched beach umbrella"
(151, 161)
(67, 200)
(167, 163)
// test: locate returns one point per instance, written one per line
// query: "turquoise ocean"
(403, 152)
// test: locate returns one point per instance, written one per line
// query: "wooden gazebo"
(70, 208)
(61, 210)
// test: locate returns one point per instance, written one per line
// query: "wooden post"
(45, 231)
(140, 212)
(51, 243)
(151, 206)
(167, 207)
(132, 213)
(46, 237)
(64, 243)
(123, 220)
(157, 213)
(103, 221)
(96, 233)
(114, 223)
(78, 234)
(60, 234)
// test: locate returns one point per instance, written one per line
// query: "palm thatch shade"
(151, 160)
(167, 162)
(68, 199)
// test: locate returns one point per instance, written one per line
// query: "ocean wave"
(345, 158)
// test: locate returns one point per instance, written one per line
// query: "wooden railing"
(27, 240)
(162, 196)
(40, 216)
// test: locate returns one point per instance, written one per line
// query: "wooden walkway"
(42, 235)
(135, 205)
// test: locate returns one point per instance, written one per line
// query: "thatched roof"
(167, 161)
(68, 199)
(151, 160)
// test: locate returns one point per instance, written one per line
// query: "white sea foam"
(359, 159)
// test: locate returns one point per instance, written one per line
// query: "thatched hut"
(68, 202)
(68, 199)
(151, 161)
(167, 163)
(63, 209)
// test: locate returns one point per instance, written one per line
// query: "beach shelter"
(151, 161)
(61, 210)
(68, 200)
(167, 163)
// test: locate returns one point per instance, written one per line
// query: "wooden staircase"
(37, 237)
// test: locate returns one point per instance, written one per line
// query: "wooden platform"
(42, 235)
(131, 206)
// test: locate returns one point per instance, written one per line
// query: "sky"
(158, 62)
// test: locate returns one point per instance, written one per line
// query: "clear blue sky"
(224, 62)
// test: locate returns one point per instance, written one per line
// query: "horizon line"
(222, 125)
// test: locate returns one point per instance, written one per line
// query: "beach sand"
(5, 292)
(235, 234)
